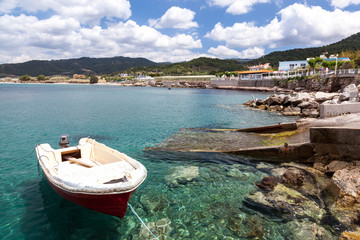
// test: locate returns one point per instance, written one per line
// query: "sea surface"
(129, 119)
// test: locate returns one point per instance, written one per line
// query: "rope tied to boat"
(133, 211)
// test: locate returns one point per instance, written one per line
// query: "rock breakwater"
(305, 104)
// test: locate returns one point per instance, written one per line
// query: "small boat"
(91, 174)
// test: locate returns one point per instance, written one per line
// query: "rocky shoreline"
(305, 104)
(322, 198)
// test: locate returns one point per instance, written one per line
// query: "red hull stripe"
(111, 204)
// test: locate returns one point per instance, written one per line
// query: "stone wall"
(317, 83)
(243, 83)
(339, 141)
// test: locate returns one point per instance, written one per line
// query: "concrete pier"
(333, 110)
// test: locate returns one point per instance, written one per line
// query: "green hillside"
(83, 65)
(351, 43)
(198, 66)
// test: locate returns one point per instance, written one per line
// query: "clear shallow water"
(130, 119)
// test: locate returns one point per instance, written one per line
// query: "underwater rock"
(287, 202)
(181, 175)
(154, 203)
(264, 166)
(308, 230)
(236, 173)
(268, 183)
(161, 230)
(293, 176)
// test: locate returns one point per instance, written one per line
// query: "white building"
(292, 65)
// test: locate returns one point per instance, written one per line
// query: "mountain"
(82, 65)
(351, 43)
(197, 66)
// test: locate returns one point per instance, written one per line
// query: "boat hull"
(114, 204)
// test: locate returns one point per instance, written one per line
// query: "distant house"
(79, 76)
(259, 67)
(292, 65)
(254, 74)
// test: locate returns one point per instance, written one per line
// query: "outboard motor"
(64, 141)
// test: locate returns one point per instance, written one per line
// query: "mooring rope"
(132, 209)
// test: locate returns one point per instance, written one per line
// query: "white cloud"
(246, 34)
(297, 25)
(24, 37)
(85, 11)
(344, 3)
(236, 6)
(225, 52)
(175, 17)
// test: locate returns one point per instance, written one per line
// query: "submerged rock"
(308, 230)
(182, 175)
(161, 229)
(268, 183)
(287, 202)
(236, 173)
(154, 203)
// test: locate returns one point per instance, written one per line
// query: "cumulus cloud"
(58, 37)
(344, 3)
(297, 25)
(175, 17)
(85, 11)
(225, 52)
(236, 6)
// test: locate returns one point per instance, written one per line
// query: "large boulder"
(287, 203)
(268, 183)
(275, 100)
(348, 183)
(309, 105)
(301, 230)
(352, 91)
(354, 235)
(337, 165)
(322, 96)
(345, 96)
(299, 98)
(293, 176)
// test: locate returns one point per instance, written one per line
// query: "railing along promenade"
(294, 74)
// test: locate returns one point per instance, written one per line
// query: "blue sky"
(169, 30)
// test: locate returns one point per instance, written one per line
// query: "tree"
(312, 63)
(93, 79)
(25, 78)
(41, 78)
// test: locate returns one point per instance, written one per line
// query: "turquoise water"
(208, 206)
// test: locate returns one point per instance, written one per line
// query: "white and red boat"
(91, 174)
